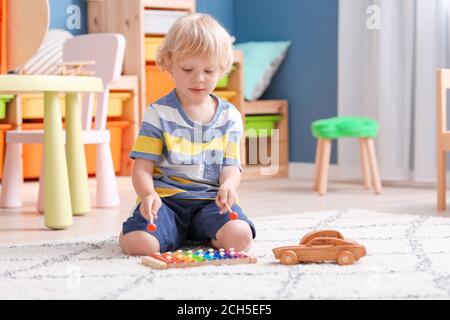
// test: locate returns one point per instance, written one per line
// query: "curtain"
(388, 54)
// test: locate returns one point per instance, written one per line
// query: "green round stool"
(365, 129)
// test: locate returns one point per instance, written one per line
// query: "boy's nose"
(199, 78)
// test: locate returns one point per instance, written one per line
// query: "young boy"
(187, 166)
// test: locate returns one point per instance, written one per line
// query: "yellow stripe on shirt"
(180, 180)
(163, 192)
(167, 192)
(185, 147)
(148, 145)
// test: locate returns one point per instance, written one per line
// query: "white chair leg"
(107, 192)
(11, 195)
(41, 197)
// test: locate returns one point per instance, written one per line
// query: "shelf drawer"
(158, 83)
(160, 21)
(33, 105)
(261, 126)
(225, 80)
(225, 95)
(4, 99)
(151, 46)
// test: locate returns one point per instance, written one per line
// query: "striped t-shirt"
(189, 156)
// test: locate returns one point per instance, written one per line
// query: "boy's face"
(195, 77)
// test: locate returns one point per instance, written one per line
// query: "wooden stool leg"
(374, 166)
(441, 179)
(324, 166)
(365, 165)
(319, 147)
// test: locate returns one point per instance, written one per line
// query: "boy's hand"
(226, 194)
(150, 206)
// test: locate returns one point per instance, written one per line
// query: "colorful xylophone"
(196, 258)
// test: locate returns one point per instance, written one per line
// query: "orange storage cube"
(32, 153)
(158, 83)
(3, 128)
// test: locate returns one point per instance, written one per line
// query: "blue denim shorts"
(184, 219)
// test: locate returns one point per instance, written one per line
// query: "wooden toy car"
(318, 246)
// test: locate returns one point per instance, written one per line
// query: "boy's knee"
(235, 234)
(138, 244)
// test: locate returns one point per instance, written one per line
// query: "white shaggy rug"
(408, 257)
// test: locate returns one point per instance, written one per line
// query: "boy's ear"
(168, 68)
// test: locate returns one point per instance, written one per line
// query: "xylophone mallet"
(151, 227)
(232, 215)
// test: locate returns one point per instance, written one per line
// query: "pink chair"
(107, 50)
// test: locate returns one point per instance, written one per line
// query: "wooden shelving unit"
(187, 5)
(127, 17)
(131, 114)
(273, 170)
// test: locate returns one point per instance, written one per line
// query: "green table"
(65, 183)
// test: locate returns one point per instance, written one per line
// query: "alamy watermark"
(73, 21)
(258, 150)
(263, 147)
(373, 21)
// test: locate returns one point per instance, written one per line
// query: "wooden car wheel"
(345, 258)
(288, 257)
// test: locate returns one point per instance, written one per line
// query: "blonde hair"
(196, 34)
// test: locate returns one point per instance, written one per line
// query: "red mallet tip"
(151, 227)
(233, 215)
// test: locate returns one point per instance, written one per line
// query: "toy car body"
(321, 233)
(325, 245)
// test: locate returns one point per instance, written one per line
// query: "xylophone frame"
(160, 265)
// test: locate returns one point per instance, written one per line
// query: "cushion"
(261, 61)
(49, 54)
(340, 127)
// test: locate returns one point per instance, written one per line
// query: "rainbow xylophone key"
(196, 258)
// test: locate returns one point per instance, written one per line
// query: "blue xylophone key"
(213, 256)
(206, 256)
